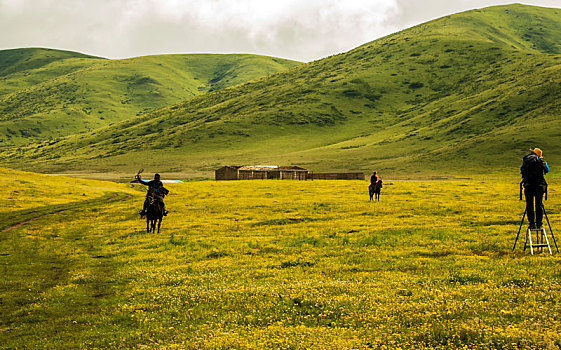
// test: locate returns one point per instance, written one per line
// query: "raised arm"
(139, 180)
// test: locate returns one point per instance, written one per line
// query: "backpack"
(532, 170)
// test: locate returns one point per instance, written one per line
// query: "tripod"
(542, 231)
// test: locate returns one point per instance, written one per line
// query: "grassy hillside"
(48, 93)
(22, 68)
(465, 93)
(274, 264)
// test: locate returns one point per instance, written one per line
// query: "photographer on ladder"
(533, 169)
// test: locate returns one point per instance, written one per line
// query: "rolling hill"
(50, 93)
(466, 93)
(22, 68)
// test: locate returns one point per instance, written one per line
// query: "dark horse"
(375, 190)
(153, 205)
(154, 212)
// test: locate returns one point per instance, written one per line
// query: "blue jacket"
(156, 185)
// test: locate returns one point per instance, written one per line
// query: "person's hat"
(536, 151)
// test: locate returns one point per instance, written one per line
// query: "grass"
(45, 94)
(22, 68)
(465, 91)
(278, 264)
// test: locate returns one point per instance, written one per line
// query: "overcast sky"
(303, 30)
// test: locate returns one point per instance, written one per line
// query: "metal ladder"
(541, 236)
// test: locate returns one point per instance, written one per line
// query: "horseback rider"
(156, 191)
(533, 169)
(374, 179)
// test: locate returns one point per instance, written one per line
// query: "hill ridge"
(77, 94)
(388, 104)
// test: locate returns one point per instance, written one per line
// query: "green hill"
(469, 92)
(50, 93)
(22, 68)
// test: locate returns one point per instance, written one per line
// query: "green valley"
(444, 111)
(46, 94)
(467, 93)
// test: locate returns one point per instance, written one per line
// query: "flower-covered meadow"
(277, 265)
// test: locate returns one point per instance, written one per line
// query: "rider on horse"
(375, 186)
(156, 191)
(374, 179)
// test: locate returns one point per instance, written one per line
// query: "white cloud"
(298, 29)
(290, 28)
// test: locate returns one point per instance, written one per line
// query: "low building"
(275, 172)
(229, 172)
(261, 172)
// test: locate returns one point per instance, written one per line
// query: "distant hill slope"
(469, 92)
(49, 93)
(22, 68)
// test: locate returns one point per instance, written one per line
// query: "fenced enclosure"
(275, 172)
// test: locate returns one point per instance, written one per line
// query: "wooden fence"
(336, 176)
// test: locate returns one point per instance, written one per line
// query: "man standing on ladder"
(533, 169)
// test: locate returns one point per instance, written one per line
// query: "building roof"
(232, 166)
(292, 167)
(271, 168)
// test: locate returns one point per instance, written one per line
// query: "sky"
(303, 30)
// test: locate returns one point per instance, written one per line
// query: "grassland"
(275, 264)
(470, 92)
(45, 94)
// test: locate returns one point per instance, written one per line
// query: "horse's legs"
(147, 224)
(159, 223)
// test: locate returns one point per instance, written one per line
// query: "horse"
(154, 212)
(155, 208)
(375, 190)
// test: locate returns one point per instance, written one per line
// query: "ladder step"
(538, 245)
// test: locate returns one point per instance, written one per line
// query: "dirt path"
(19, 224)
(129, 196)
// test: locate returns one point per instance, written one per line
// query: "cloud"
(288, 28)
(297, 29)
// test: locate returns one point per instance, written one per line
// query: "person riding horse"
(375, 186)
(373, 179)
(156, 191)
